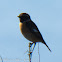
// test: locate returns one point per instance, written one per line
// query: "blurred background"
(47, 14)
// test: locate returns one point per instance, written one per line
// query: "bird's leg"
(33, 47)
(30, 51)
(31, 44)
(30, 47)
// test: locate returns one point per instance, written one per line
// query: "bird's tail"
(47, 46)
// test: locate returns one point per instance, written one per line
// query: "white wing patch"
(35, 30)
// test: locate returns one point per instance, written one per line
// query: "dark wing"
(33, 29)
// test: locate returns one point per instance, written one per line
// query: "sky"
(47, 15)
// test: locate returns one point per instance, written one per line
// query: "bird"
(29, 29)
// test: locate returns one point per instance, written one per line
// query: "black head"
(24, 17)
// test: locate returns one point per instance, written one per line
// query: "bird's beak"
(18, 16)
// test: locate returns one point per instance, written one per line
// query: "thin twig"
(38, 52)
(30, 53)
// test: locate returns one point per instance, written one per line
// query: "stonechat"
(29, 29)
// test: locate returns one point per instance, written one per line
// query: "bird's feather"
(33, 29)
